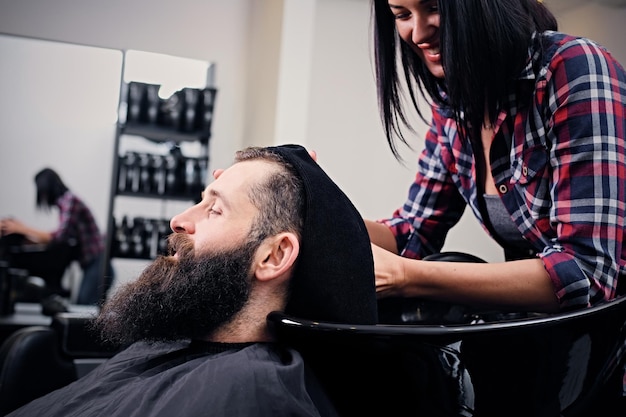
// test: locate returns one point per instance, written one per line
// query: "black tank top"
(506, 231)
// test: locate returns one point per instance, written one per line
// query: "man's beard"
(174, 299)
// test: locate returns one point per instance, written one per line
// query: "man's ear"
(276, 255)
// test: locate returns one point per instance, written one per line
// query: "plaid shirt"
(558, 161)
(77, 222)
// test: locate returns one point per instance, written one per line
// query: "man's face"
(225, 214)
(207, 277)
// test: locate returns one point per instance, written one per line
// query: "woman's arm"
(585, 142)
(11, 226)
(381, 235)
(517, 285)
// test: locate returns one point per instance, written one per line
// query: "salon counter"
(30, 314)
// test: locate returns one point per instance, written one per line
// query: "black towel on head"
(334, 277)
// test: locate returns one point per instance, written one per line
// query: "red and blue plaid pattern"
(558, 160)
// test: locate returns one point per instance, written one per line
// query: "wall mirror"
(59, 109)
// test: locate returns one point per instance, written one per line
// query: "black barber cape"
(190, 379)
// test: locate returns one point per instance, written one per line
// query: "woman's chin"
(436, 69)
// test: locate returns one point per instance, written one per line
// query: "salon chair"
(37, 360)
(432, 359)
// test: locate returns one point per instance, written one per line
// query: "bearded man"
(271, 233)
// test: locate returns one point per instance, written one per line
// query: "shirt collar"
(534, 53)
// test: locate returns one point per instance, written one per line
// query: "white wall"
(287, 71)
(603, 24)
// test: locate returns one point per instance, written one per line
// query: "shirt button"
(503, 188)
(525, 170)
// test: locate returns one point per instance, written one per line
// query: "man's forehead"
(242, 175)
(253, 169)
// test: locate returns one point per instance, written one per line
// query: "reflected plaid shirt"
(77, 222)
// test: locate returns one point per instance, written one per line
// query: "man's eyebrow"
(218, 195)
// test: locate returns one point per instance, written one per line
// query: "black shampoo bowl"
(565, 364)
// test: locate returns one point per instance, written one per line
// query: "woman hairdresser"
(527, 129)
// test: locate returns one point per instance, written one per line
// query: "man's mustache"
(181, 244)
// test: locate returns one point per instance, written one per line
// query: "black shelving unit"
(170, 175)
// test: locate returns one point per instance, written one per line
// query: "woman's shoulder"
(559, 45)
(574, 56)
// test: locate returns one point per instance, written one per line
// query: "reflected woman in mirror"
(77, 228)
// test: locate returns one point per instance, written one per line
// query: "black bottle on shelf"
(159, 172)
(170, 168)
(145, 176)
(137, 240)
(136, 102)
(205, 113)
(122, 174)
(150, 239)
(191, 98)
(153, 103)
(190, 176)
(122, 238)
(173, 109)
(163, 231)
(176, 176)
(131, 162)
(198, 173)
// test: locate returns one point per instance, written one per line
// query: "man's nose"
(182, 223)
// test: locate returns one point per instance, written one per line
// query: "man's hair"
(279, 197)
(484, 46)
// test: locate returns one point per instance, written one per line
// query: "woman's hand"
(10, 226)
(389, 272)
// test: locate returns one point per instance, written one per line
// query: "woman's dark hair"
(49, 188)
(484, 46)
